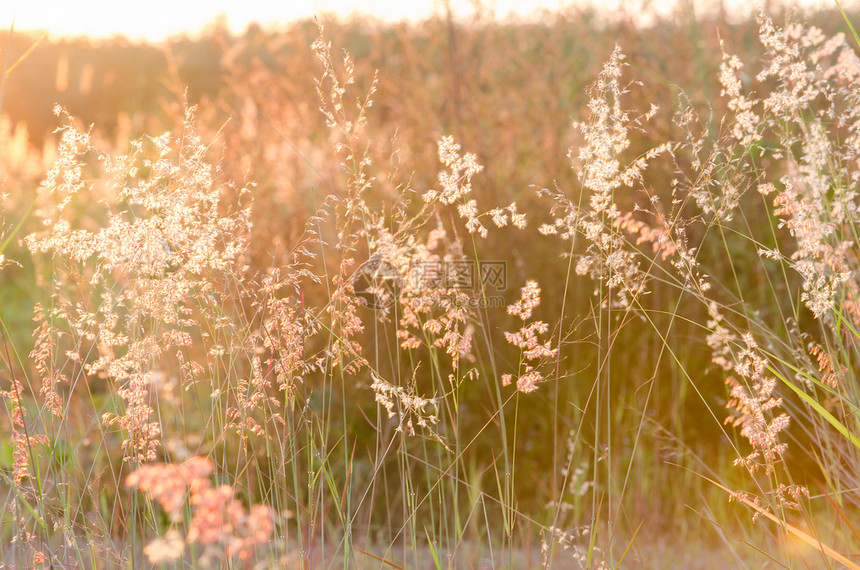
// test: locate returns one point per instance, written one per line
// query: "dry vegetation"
(520, 295)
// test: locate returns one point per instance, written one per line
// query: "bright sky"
(157, 19)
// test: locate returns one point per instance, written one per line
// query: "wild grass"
(300, 338)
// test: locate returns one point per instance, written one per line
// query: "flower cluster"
(599, 168)
(456, 179)
(157, 263)
(218, 522)
(532, 350)
(411, 409)
(433, 313)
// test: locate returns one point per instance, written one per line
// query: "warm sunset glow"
(100, 18)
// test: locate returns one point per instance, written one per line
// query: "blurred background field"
(516, 470)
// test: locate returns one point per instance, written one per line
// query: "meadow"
(577, 293)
